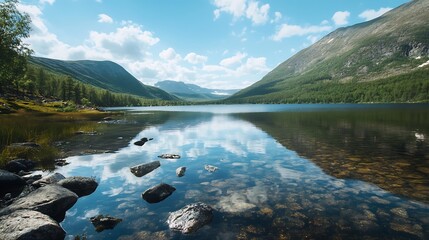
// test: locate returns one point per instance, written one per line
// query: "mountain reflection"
(376, 146)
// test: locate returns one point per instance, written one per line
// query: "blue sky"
(221, 44)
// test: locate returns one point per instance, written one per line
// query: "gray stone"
(10, 183)
(102, 223)
(169, 156)
(143, 169)
(82, 186)
(29, 225)
(49, 179)
(211, 168)
(52, 200)
(190, 218)
(142, 141)
(180, 172)
(18, 165)
(158, 193)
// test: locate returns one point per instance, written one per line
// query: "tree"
(14, 27)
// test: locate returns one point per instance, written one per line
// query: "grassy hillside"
(103, 74)
(375, 61)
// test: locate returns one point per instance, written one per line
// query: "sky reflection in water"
(261, 189)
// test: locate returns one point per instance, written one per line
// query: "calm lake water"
(285, 172)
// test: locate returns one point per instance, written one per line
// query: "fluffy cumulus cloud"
(258, 15)
(243, 8)
(371, 13)
(234, 60)
(169, 54)
(194, 58)
(236, 8)
(287, 31)
(341, 18)
(104, 18)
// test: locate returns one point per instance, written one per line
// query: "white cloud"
(129, 41)
(169, 54)
(341, 17)
(371, 13)
(277, 17)
(325, 22)
(286, 31)
(50, 2)
(194, 58)
(236, 8)
(233, 60)
(104, 18)
(258, 15)
(253, 65)
(241, 8)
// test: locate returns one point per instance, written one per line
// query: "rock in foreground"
(143, 169)
(49, 179)
(18, 165)
(52, 200)
(10, 183)
(190, 218)
(158, 193)
(82, 186)
(28, 224)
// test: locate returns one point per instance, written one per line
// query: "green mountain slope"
(376, 61)
(103, 74)
(192, 92)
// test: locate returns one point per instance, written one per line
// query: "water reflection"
(265, 187)
(384, 147)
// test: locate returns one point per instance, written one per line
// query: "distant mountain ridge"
(104, 74)
(383, 60)
(193, 92)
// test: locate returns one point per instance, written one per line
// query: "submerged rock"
(142, 141)
(158, 193)
(52, 200)
(102, 223)
(169, 156)
(29, 224)
(82, 186)
(10, 183)
(210, 168)
(180, 172)
(190, 218)
(143, 169)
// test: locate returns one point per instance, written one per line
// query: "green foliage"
(14, 26)
(39, 81)
(407, 87)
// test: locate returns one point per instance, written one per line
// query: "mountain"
(382, 60)
(193, 92)
(104, 74)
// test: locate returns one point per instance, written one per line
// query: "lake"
(284, 171)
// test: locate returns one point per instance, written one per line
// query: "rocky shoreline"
(32, 207)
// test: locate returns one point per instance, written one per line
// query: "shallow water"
(285, 172)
